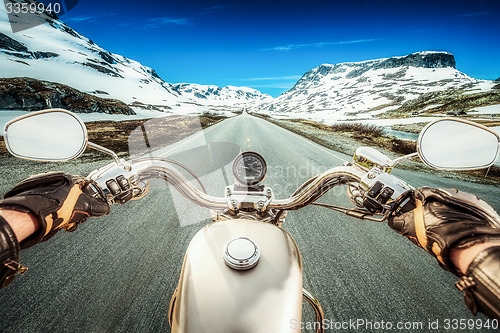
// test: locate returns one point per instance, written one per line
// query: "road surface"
(117, 273)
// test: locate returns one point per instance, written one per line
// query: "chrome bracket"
(257, 200)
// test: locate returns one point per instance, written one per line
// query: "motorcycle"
(254, 265)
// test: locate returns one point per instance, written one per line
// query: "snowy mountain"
(373, 87)
(54, 52)
(214, 95)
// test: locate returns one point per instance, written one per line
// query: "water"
(402, 135)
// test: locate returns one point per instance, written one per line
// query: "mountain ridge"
(212, 94)
(352, 90)
(54, 52)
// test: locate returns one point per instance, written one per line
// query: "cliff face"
(54, 52)
(357, 69)
(32, 95)
(373, 87)
(420, 59)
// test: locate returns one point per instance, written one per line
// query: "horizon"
(269, 46)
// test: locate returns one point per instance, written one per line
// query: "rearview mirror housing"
(54, 135)
(457, 144)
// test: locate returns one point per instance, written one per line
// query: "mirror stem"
(106, 151)
(403, 158)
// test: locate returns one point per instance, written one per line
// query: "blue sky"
(269, 45)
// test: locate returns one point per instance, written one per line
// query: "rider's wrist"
(22, 224)
(463, 257)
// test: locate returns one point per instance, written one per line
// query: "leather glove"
(445, 219)
(58, 199)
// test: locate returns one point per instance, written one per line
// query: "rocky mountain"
(214, 95)
(54, 52)
(369, 88)
(32, 95)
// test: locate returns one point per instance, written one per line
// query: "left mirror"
(54, 135)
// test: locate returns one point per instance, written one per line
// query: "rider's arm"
(14, 228)
(35, 209)
(9, 253)
(462, 258)
(22, 224)
(480, 266)
(463, 233)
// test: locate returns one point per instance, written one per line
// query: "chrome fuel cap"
(241, 253)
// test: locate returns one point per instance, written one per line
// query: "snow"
(136, 84)
(490, 109)
(215, 95)
(436, 74)
(68, 67)
(430, 107)
(481, 86)
(339, 95)
(383, 110)
(345, 94)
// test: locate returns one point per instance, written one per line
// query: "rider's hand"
(59, 200)
(446, 219)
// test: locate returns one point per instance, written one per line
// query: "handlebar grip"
(117, 190)
(405, 204)
(92, 189)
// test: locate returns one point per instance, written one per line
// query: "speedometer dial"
(249, 168)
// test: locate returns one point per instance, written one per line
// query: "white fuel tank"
(214, 297)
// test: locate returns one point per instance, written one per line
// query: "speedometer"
(249, 168)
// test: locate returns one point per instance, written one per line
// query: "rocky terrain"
(451, 102)
(32, 95)
(421, 83)
(396, 86)
(54, 52)
(346, 140)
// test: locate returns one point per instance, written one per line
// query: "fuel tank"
(213, 297)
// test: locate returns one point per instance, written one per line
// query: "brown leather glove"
(58, 199)
(445, 219)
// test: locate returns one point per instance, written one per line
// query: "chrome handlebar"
(317, 186)
(140, 170)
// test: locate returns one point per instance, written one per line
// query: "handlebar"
(141, 169)
(317, 186)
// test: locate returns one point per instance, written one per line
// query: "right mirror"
(452, 144)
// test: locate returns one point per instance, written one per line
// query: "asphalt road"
(117, 273)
